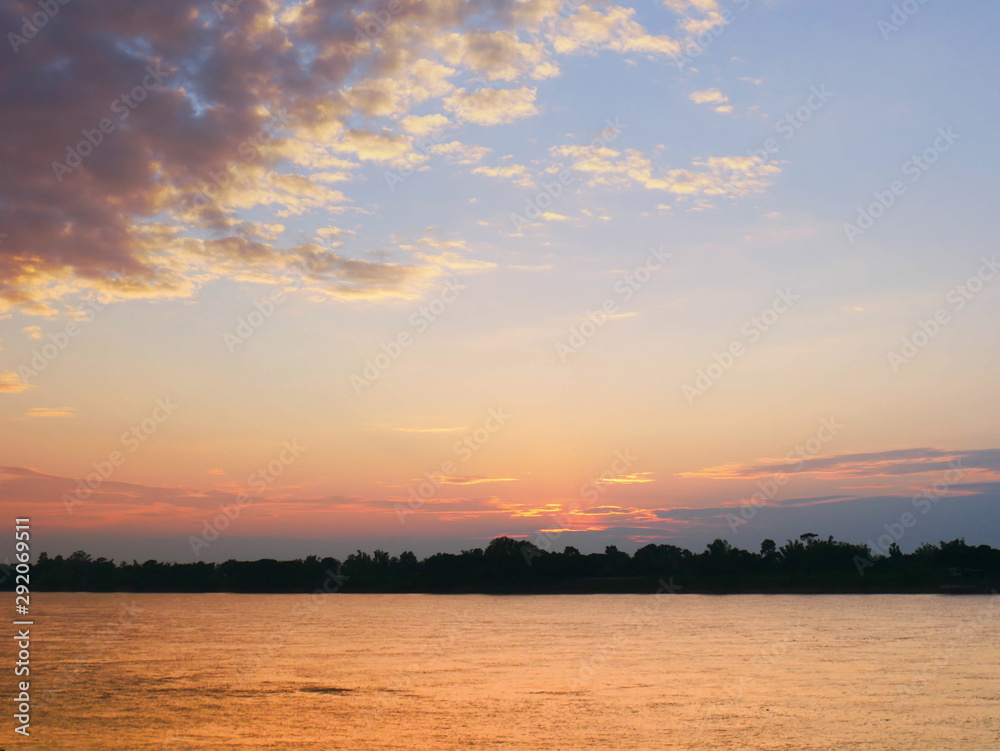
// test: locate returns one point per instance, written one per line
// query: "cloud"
(420, 126)
(50, 412)
(440, 244)
(590, 30)
(517, 173)
(199, 113)
(375, 147)
(937, 516)
(635, 478)
(879, 464)
(11, 383)
(265, 107)
(695, 27)
(493, 106)
(329, 233)
(453, 262)
(731, 176)
(708, 96)
(551, 216)
(681, 6)
(234, 115)
(712, 96)
(498, 55)
(471, 480)
(392, 95)
(351, 278)
(461, 153)
(143, 512)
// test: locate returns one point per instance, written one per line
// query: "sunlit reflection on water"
(213, 672)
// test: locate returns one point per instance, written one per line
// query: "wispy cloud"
(877, 464)
(11, 383)
(708, 96)
(635, 478)
(50, 412)
(472, 480)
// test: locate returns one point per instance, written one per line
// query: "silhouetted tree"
(807, 564)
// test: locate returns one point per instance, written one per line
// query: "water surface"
(216, 671)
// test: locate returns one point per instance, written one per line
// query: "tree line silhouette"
(808, 565)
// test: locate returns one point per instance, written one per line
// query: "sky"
(292, 278)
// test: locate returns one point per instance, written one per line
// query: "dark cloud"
(135, 130)
(884, 463)
(180, 89)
